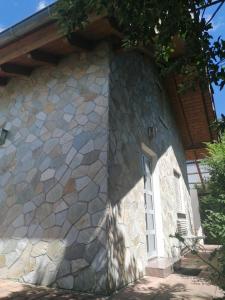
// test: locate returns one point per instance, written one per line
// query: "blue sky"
(218, 30)
(13, 11)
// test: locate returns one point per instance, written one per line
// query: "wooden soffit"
(194, 113)
(47, 44)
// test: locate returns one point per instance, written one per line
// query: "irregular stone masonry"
(71, 184)
(137, 103)
(53, 174)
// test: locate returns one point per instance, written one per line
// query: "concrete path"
(17, 291)
(173, 287)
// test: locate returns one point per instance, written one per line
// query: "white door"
(149, 208)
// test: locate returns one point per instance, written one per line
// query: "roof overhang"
(194, 112)
(37, 41)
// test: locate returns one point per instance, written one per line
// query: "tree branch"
(209, 4)
(215, 12)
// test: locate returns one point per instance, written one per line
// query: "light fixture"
(3, 136)
(152, 130)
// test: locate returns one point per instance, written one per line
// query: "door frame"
(147, 160)
(146, 151)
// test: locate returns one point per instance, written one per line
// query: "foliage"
(214, 224)
(219, 256)
(219, 125)
(215, 160)
(158, 23)
(212, 205)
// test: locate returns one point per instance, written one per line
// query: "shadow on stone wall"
(53, 174)
(79, 239)
(137, 102)
(83, 267)
(121, 269)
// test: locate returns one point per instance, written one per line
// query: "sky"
(218, 30)
(13, 11)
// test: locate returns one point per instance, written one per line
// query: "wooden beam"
(44, 57)
(196, 154)
(15, 69)
(80, 42)
(195, 147)
(28, 43)
(4, 81)
(35, 40)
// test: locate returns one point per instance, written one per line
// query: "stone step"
(159, 267)
(190, 265)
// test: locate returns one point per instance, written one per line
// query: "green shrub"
(213, 204)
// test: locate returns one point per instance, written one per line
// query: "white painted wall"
(196, 214)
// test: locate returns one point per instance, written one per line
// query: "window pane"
(148, 183)
(177, 191)
(151, 223)
(149, 202)
(147, 166)
(146, 221)
(151, 245)
(147, 243)
(147, 173)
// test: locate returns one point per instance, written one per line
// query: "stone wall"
(137, 101)
(71, 180)
(53, 174)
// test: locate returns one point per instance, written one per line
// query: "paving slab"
(17, 291)
(175, 286)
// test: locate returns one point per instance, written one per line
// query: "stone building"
(92, 158)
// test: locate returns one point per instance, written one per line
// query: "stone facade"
(53, 174)
(71, 180)
(137, 102)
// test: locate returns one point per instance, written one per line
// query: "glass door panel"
(149, 208)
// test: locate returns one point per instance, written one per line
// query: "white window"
(178, 196)
(149, 207)
(180, 209)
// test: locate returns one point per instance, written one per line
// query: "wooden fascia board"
(34, 40)
(29, 42)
